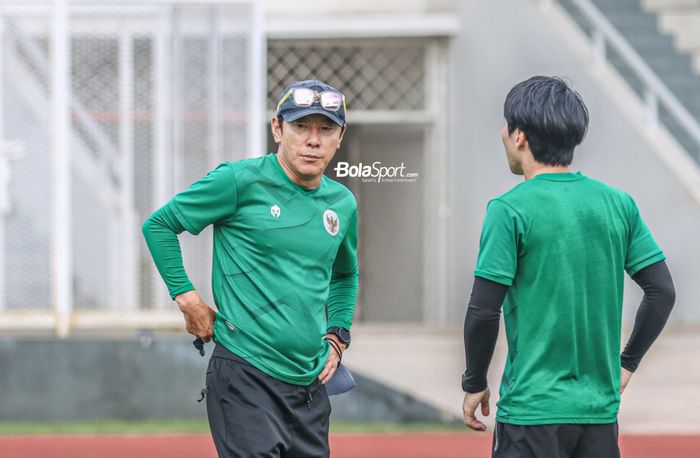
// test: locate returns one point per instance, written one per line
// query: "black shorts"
(254, 415)
(556, 441)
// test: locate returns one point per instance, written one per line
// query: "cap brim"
(298, 114)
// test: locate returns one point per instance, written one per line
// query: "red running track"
(342, 446)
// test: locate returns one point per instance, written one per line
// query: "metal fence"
(375, 75)
(105, 112)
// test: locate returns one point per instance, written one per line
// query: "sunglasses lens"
(303, 97)
(331, 101)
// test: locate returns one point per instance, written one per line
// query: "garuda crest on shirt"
(331, 222)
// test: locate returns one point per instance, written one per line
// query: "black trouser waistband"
(223, 352)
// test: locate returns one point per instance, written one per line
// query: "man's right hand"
(472, 401)
(199, 317)
(625, 377)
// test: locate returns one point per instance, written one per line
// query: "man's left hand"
(471, 402)
(332, 361)
(625, 377)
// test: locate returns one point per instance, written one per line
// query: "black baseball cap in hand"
(304, 98)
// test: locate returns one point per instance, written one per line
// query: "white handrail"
(655, 90)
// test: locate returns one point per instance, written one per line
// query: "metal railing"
(655, 92)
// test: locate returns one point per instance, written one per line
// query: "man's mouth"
(309, 158)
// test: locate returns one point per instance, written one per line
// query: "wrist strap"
(336, 347)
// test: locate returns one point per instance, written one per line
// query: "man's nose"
(314, 138)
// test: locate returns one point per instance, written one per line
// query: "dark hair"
(552, 116)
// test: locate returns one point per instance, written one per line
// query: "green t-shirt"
(281, 254)
(562, 243)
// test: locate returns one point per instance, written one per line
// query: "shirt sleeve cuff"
(183, 220)
(473, 384)
(639, 265)
(183, 289)
(496, 278)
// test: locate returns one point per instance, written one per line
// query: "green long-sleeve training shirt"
(281, 254)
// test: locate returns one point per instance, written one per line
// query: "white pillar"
(216, 155)
(4, 169)
(257, 81)
(177, 98)
(128, 268)
(161, 108)
(435, 187)
(62, 252)
(162, 162)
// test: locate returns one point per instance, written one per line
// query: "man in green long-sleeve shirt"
(285, 245)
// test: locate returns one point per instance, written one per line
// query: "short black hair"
(551, 114)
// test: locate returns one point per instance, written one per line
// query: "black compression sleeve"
(481, 331)
(653, 312)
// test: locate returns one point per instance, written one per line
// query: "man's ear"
(520, 139)
(276, 129)
(342, 133)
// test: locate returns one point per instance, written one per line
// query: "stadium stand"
(666, 34)
(681, 18)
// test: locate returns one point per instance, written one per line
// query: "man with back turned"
(553, 254)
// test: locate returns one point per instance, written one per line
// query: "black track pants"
(254, 415)
(556, 441)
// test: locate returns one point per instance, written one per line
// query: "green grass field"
(198, 426)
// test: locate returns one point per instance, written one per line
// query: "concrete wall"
(390, 228)
(503, 42)
(44, 379)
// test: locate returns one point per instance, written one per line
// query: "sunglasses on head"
(305, 97)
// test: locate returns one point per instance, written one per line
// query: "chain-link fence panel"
(379, 75)
(25, 169)
(211, 117)
(157, 95)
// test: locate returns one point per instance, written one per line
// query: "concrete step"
(644, 42)
(679, 20)
(685, 87)
(688, 40)
(662, 62)
(617, 5)
(660, 5)
(692, 102)
(633, 20)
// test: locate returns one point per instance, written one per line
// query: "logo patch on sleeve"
(331, 222)
(275, 211)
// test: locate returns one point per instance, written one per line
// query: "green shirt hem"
(267, 370)
(555, 421)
